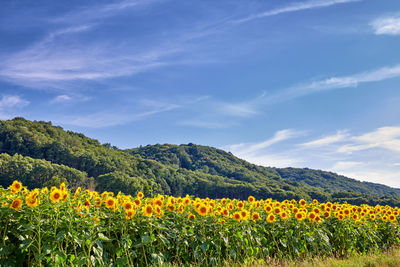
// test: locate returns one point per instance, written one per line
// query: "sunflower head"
(55, 195)
(147, 210)
(110, 202)
(237, 216)
(31, 201)
(16, 204)
(16, 187)
(129, 214)
(202, 210)
(255, 216)
(271, 218)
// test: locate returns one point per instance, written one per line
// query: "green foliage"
(38, 172)
(170, 169)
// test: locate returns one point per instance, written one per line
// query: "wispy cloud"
(387, 25)
(111, 118)
(327, 140)
(93, 13)
(48, 65)
(10, 103)
(372, 156)
(260, 154)
(61, 99)
(61, 57)
(246, 149)
(293, 7)
(385, 138)
(333, 83)
(204, 123)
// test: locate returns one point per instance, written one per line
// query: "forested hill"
(40, 154)
(219, 162)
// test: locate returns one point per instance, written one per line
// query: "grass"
(389, 258)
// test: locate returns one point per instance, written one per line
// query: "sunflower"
(87, 203)
(140, 195)
(97, 202)
(302, 202)
(147, 210)
(129, 214)
(186, 201)
(271, 218)
(55, 195)
(268, 208)
(311, 216)
(16, 187)
(245, 214)
(299, 216)
(284, 215)
(62, 186)
(251, 199)
(277, 210)
(191, 216)
(138, 202)
(170, 207)
(65, 196)
(237, 216)
(158, 202)
(16, 204)
(127, 206)
(240, 205)
(355, 217)
(255, 216)
(202, 210)
(31, 202)
(110, 202)
(346, 212)
(327, 214)
(225, 212)
(181, 208)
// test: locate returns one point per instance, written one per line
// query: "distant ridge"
(60, 155)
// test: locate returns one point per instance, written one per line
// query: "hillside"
(57, 155)
(218, 162)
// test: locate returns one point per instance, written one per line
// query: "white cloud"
(110, 118)
(204, 123)
(10, 103)
(93, 13)
(339, 82)
(371, 156)
(258, 153)
(237, 109)
(273, 160)
(388, 25)
(293, 7)
(338, 137)
(345, 165)
(61, 99)
(374, 175)
(385, 138)
(60, 57)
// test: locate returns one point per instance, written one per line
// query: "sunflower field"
(59, 227)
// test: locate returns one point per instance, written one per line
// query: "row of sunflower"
(91, 228)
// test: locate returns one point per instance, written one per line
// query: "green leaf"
(103, 237)
(60, 236)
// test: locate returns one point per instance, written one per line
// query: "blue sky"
(307, 83)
